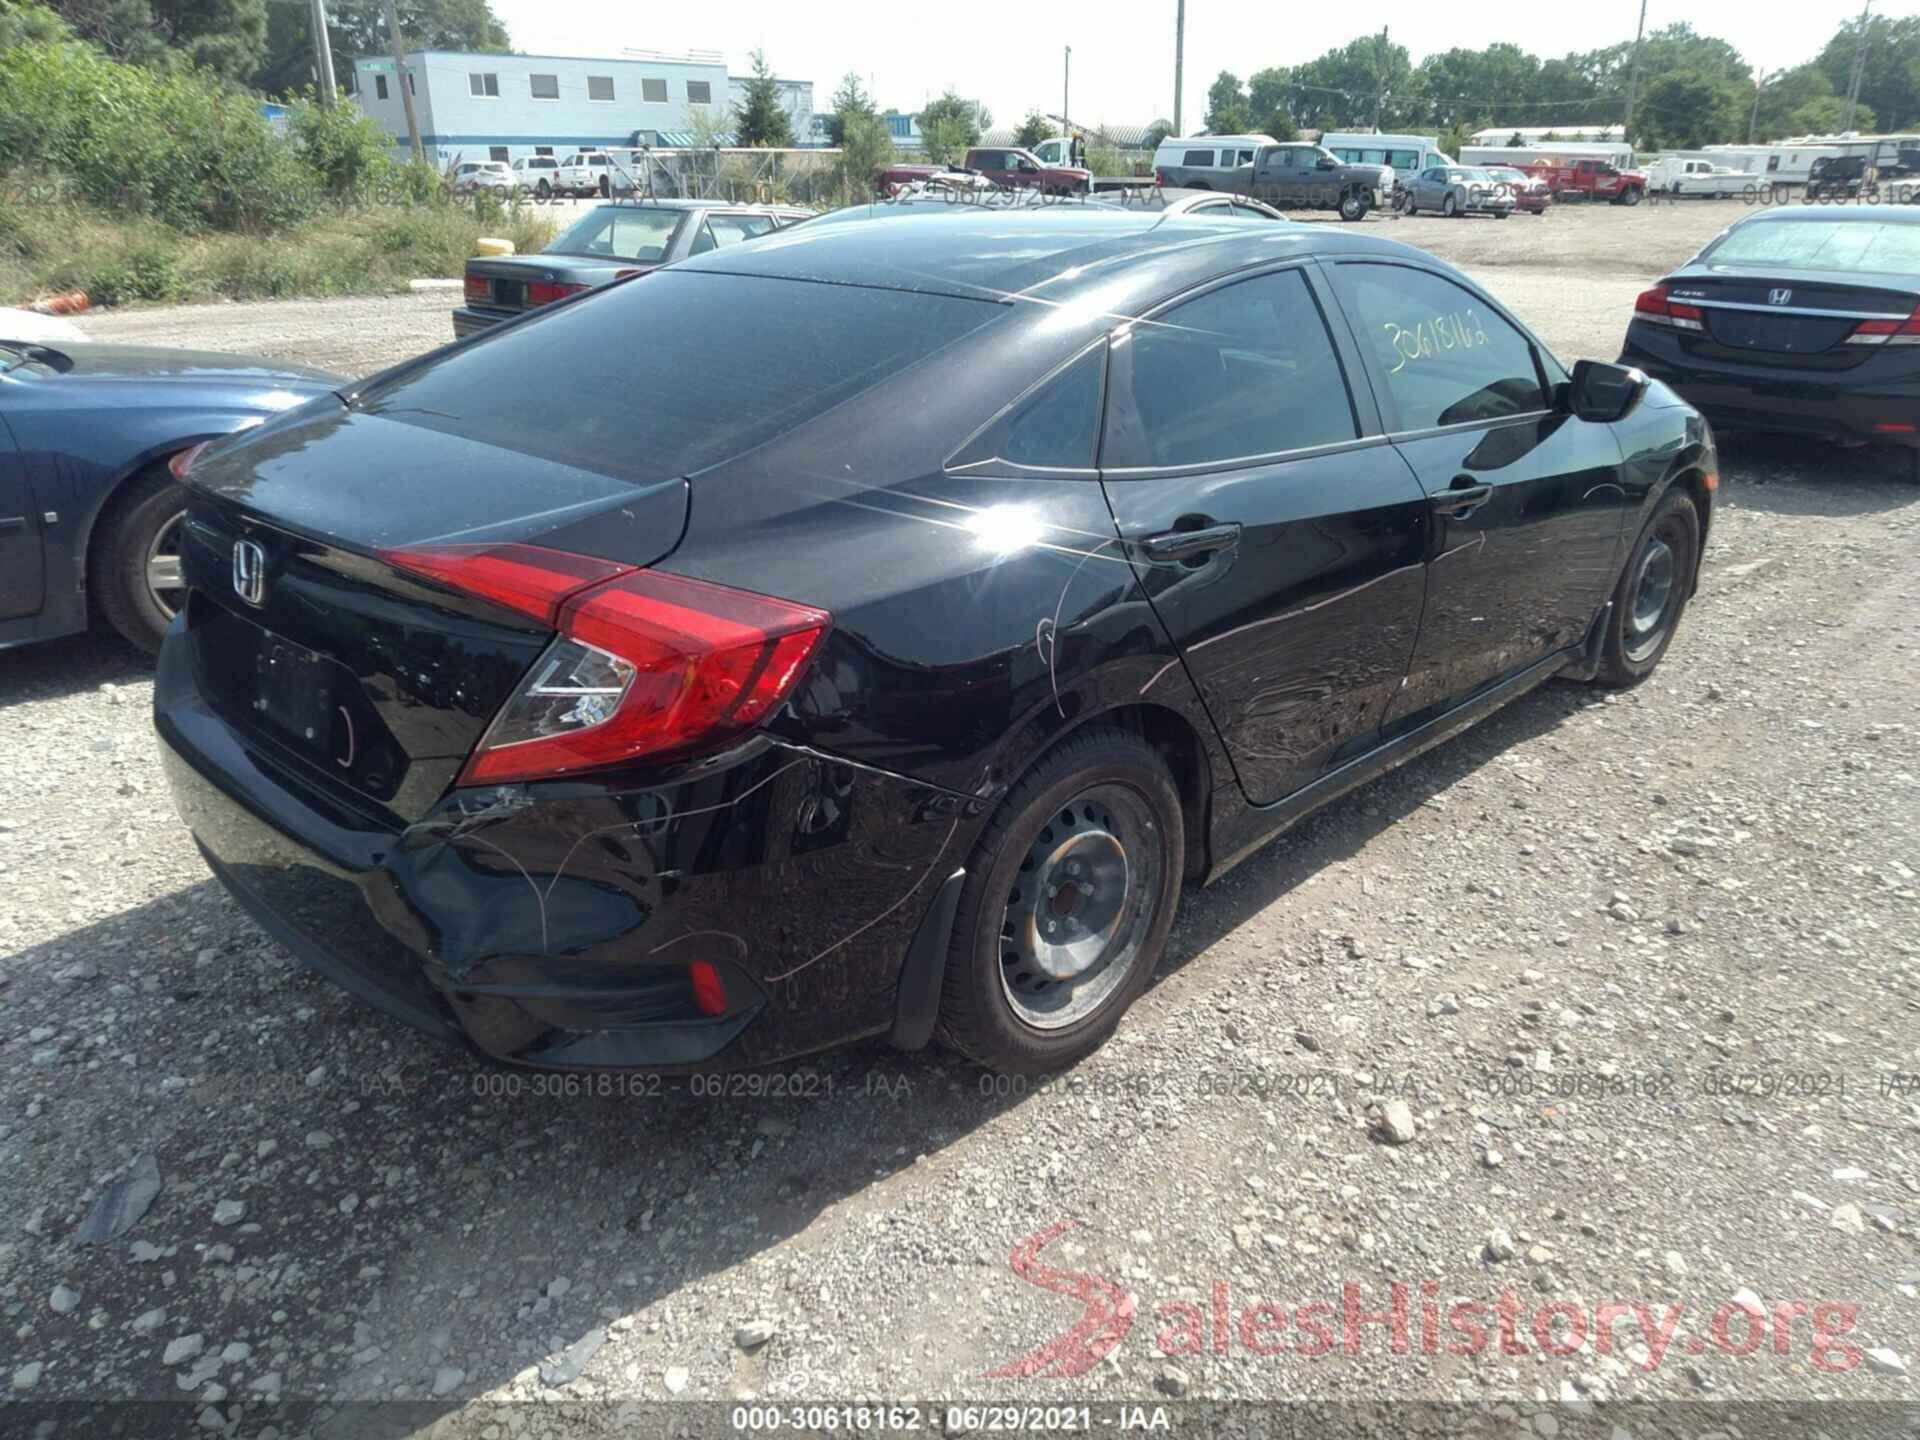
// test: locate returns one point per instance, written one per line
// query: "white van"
(1407, 154)
(1205, 162)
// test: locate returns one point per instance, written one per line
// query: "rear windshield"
(618, 232)
(675, 371)
(1866, 245)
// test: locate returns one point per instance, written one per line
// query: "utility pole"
(400, 79)
(1066, 89)
(322, 52)
(1379, 78)
(1859, 66)
(1633, 76)
(1179, 59)
(1759, 84)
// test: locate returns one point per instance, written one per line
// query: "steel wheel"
(1651, 608)
(165, 584)
(1651, 593)
(1071, 927)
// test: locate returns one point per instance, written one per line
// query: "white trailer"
(1559, 152)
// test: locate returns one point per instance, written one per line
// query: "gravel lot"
(1643, 968)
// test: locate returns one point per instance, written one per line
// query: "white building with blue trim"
(477, 106)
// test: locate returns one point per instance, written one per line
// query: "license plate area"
(510, 293)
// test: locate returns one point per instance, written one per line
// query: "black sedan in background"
(89, 515)
(906, 613)
(1796, 321)
(609, 242)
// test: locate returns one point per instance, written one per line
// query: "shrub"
(350, 156)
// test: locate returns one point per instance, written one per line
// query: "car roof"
(1860, 214)
(1056, 255)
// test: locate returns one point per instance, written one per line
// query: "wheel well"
(1694, 483)
(99, 530)
(1179, 744)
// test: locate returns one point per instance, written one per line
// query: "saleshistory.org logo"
(1414, 1315)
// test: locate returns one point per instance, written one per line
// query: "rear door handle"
(1463, 497)
(1182, 544)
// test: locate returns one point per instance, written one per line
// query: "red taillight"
(183, 462)
(523, 578)
(709, 990)
(545, 292)
(478, 287)
(1160, 178)
(1895, 427)
(1888, 332)
(645, 664)
(1654, 307)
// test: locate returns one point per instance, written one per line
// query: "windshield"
(619, 232)
(1868, 245)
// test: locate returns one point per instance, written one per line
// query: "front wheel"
(1630, 197)
(1353, 206)
(135, 561)
(1450, 207)
(1069, 896)
(543, 190)
(1652, 593)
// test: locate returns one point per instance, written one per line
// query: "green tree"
(1269, 103)
(866, 147)
(1156, 132)
(1227, 110)
(228, 37)
(759, 119)
(947, 137)
(1364, 81)
(1890, 80)
(958, 120)
(359, 27)
(1685, 109)
(1801, 101)
(1032, 131)
(849, 100)
(1453, 139)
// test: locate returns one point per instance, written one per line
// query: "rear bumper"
(553, 925)
(1842, 406)
(466, 321)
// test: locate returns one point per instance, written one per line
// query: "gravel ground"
(1614, 999)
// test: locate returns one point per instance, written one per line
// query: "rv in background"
(1554, 152)
(1407, 154)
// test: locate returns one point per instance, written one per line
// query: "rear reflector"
(1654, 307)
(646, 664)
(709, 990)
(1888, 332)
(545, 292)
(1895, 427)
(479, 287)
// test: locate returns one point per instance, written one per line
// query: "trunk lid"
(501, 282)
(1790, 318)
(373, 680)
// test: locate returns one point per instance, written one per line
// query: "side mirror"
(1603, 392)
(1326, 163)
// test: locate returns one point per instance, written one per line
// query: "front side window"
(599, 87)
(544, 87)
(1448, 356)
(485, 85)
(1242, 371)
(699, 92)
(654, 92)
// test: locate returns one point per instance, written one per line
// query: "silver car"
(1459, 190)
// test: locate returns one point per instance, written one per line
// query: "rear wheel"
(134, 566)
(1066, 906)
(1652, 594)
(543, 190)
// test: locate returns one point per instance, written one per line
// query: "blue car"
(88, 510)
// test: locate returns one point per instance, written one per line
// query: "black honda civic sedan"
(1799, 321)
(902, 617)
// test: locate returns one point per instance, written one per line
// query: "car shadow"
(444, 1214)
(1789, 475)
(53, 669)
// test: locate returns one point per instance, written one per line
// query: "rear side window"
(1199, 159)
(1448, 357)
(1242, 371)
(676, 371)
(1052, 429)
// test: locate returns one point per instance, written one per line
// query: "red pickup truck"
(1593, 180)
(1005, 165)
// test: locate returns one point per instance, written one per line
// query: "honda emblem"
(1779, 297)
(249, 572)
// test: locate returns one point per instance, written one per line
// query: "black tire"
(125, 538)
(1353, 206)
(1100, 783)
(1450, 206)
(1638, 629)
(1501, 214)
(543, 190)
(1630, 196)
